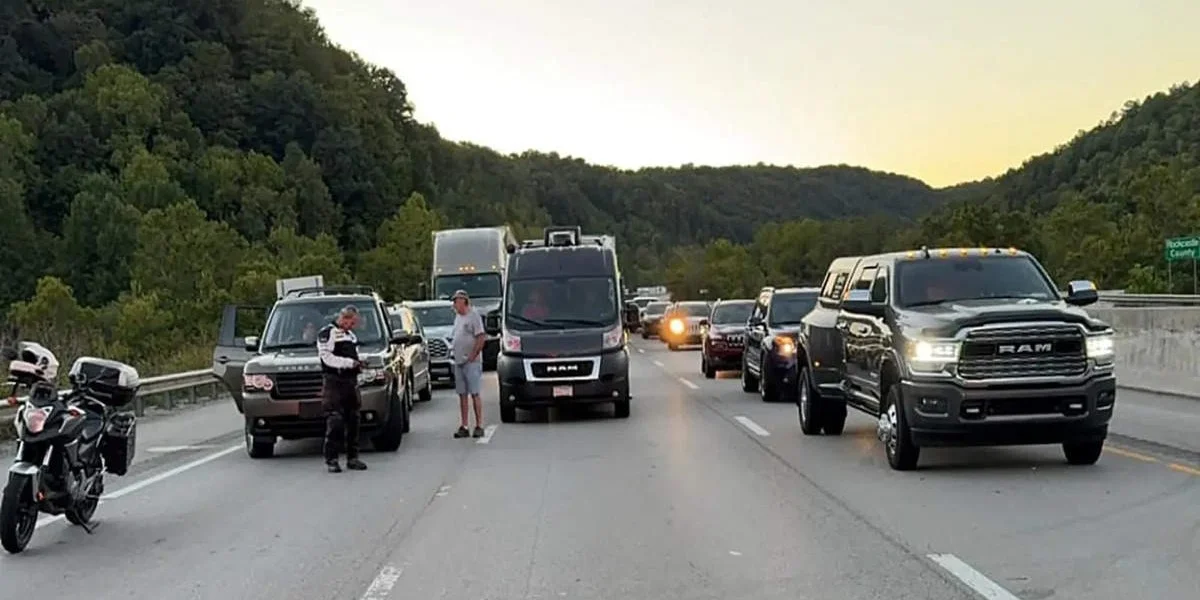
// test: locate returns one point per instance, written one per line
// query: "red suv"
(723, 338)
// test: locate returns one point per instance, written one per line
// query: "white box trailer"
(284, 286)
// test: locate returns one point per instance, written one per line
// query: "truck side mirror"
(1082, 293)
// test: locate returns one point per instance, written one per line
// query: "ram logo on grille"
(562, 368)
(1037, 348)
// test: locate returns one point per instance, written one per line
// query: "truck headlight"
(614, 338)
(1100, 347)
(932, 356)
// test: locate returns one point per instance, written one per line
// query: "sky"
(946, 91)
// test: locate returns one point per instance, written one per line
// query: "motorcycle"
(66, 442)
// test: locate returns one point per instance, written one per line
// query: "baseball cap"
(460, 294)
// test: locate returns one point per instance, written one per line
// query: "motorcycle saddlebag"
(120, 440)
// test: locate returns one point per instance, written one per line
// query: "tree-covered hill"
(1098, 207)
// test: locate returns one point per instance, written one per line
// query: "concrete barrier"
(1158, 348)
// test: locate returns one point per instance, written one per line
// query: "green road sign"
(1183, 248)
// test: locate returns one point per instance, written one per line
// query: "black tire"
(709, 371)
(18, 518)
(902, 454)
(508, 412)
(408, 406)
(426, 393)
(645, 335)
(256, 448)
(808, 403)
(1083, 453)
(768, 389)
(749, 382)
(833, 416)
(621, 409)
(392, 435)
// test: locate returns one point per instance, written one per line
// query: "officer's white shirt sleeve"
(325, 344)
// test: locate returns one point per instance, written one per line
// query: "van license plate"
(563, 391)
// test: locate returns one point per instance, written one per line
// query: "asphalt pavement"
(704, 492)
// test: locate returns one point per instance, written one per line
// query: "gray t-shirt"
(466, 328)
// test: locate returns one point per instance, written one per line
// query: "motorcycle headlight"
(1100, 347)
(35, 419)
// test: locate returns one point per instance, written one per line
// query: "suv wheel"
(408, 406)
(709, 371)
(427, 392)
(392, 434)
(749, 382)
(807, 404)
(256, 447)
(902, 454)
(768, 388)
(1083, 453)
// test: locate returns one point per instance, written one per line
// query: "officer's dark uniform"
(338, 349)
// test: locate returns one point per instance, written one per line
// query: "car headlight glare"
(785, 346)
(676, 326)
(1100, 347)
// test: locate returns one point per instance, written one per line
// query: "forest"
(160, 160)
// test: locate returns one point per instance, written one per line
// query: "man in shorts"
(467, 342)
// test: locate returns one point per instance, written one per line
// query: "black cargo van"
(563, 341)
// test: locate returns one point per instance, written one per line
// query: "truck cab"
(474, 260)
(563, 340)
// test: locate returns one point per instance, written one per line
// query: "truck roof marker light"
(944, 252)
(911, 254)
(962, 252)
(1012, 251)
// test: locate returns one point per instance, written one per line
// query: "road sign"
(1182, 248)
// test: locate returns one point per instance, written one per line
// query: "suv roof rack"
(332, 290)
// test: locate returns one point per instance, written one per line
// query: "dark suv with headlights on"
(957, 347)
(769, 360)
(652, 317)
(276, 379)
(724, 333)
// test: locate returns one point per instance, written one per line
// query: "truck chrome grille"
(562, 369)
(297, 386)
(1044, 350)
(438, 348)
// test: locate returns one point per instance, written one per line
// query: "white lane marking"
(181, 448)
(641, 351)
(129, 489)
(487, 434)
(974, 579)
(47, 520)
(383, 583)
(442, 491)
(658, 363)
(688, 383)
(734, 553)
(752, 426)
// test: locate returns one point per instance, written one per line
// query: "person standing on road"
(467, 340)
(338, 348)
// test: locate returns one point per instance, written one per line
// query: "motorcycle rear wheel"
(18, 514)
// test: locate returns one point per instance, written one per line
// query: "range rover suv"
(274, 374)
(957, 347)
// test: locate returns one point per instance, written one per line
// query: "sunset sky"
(943, 90)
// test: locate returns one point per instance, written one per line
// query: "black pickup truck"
(956, 347)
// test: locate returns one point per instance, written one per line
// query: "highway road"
(704, 492)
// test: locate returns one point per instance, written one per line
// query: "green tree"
(401, 259)
(100, 236)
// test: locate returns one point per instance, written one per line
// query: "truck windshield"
(732, 313)
(435, 316)
(295, 325)
(790, 309)
(937, 280)
(477, 285)
(561, 303)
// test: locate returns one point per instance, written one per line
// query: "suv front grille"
(438, 348)
(297, 386)
(1050, 350)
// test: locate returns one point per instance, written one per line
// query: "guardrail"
(1121, 299)
(164, 390)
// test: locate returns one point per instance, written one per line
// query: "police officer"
(338, 348)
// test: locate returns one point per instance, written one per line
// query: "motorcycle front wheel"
(18, 514)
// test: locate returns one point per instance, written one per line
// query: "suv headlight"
(371, 376)
(257, 383)
(1100, 347)
(932, 355)
(614, 338)
(784, 345)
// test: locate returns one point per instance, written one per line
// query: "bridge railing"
(163, 390)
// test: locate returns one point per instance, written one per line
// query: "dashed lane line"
(755, 428)
(688, 383)
(973, 579)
